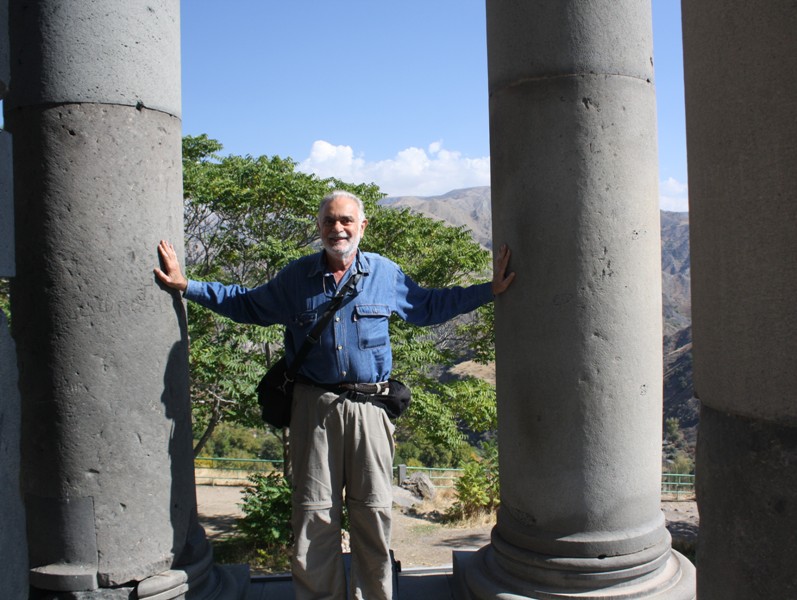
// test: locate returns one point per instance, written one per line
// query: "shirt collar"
(361, 264)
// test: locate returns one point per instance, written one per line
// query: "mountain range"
(471, 208)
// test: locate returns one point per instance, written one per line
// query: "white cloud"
(412, 172)
(432, 171)
(673, 195)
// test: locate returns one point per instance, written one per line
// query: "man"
(338, 443)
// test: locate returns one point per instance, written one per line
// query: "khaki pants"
(337, 444)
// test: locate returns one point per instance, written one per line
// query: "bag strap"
(315, 334)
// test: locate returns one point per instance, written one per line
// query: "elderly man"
(336, 442)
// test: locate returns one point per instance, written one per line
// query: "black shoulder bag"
(275, 390)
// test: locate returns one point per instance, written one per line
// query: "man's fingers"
(170, 274)
(502, 280)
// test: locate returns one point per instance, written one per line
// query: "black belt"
(365, 388)
(391, 396)
(340, 388)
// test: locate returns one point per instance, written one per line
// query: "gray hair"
(341, 194)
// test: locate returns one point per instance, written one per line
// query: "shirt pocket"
(372, 321)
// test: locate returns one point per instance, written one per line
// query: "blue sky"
(393, 93)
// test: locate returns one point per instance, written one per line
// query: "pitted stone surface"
(562, 39)
(578, 202)
(100, 52)
(5, 73)
(578, 336)
(13, 549)
(747, 495)
(7, 262)
(742, 216)
(102, 348)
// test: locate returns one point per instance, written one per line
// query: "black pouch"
(275, 395)
(394, 403)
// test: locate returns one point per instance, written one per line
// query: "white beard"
(343, 251)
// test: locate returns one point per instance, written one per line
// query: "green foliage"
(681, 463)
(266, 523)
(231, 440)
(676, 453)
(479, 332)
(439, 415)
(473, 402)
(673, 431)
(5, 303)
(477, 489)
(417, 449)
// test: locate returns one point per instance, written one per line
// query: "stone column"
(13, 546)
(7, 263)
(579, 363)
(739, 62)
(106, 422)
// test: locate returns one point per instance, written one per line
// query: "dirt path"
(419, 538)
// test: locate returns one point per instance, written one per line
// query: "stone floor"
(415, 584)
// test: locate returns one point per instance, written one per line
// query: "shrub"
(477, 489)
(266, 523)
(682, 463)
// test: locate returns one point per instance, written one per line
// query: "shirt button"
(337, 319)
(343, 373)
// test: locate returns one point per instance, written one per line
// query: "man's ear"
(363, 225)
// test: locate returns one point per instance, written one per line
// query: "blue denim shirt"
(355, 346)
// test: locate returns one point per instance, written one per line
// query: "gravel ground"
(419, 538)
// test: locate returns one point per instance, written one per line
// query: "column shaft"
(13, 548)
(579, 364)
(742, 143)
(106, 424)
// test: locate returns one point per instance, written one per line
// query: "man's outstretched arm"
(171, 275)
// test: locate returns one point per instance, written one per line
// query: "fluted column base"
(196, 578)
(217, 583)
(480, 575)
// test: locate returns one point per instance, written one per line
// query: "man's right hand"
(171, 275)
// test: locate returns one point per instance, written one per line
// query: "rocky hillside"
(470, 207)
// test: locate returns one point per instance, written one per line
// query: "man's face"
(340, 227)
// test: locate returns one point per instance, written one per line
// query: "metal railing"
(231, 471)
(236, 471)
(436, 474)
(681, 486)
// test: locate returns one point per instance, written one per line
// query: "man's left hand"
(501, 279)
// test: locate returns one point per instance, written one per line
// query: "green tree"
(247, 217)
